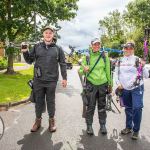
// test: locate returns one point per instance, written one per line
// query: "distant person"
(47, 56)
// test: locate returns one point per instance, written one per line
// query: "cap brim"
(128, 46)
(95, 42)
(48, 29)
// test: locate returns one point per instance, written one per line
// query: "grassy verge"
(14, 88)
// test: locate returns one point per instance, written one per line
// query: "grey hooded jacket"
(46, 60)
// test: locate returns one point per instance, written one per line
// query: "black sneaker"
(126, 131)
(135, 135)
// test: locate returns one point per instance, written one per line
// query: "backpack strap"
(35, 47)
(139, 71)
(57, 51)
(119, 61)
(88, 59)
(137, 61)
(104, 57)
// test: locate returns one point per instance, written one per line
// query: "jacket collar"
(50, 45)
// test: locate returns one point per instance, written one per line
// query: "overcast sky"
(84, 27)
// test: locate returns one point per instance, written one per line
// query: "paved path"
(17, 68)
(71, 133)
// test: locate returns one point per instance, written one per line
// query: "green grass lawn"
(19, 64)
(14, 88)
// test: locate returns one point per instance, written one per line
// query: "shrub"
(3, 63)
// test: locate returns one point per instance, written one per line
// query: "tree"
(127, 27)
(17, 19)
(137, 18)
(113, 25)
(138, 12)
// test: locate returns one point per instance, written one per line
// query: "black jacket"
(46, 58)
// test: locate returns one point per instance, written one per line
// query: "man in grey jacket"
(46, 55)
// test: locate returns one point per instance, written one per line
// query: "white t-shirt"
(127, 73)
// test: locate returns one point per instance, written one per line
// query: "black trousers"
(96, 94)
(44, 92)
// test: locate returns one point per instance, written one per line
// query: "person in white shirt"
(129, 73)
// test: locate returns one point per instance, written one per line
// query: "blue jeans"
(133, 102)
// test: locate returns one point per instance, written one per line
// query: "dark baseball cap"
(129, 45)
(48, 27)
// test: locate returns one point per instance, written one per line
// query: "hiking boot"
(103, 129)
(52, 126)
(135, 135)
(89, 130)
(36, 125)
(126, 131)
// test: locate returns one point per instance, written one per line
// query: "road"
(71, 128)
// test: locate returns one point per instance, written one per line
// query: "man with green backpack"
(96, 69)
